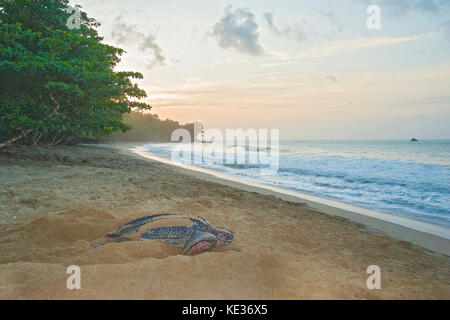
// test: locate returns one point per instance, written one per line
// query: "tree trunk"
(12, 140)
(26, 132)
(38, 138)
(35, 136)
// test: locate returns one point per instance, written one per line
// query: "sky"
(312, 69)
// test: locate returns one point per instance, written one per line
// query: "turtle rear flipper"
(112, 235)
(200, 241)
(121, 239)
(117, 237)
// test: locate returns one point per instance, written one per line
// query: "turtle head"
(224, 238)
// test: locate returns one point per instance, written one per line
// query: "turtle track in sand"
(68, 237)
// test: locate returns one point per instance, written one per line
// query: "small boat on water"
(414, 140)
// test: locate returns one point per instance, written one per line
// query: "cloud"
(125, 33)
(345, 46)
(401, 7)
(268, 18)
(332, 79)
(237, 29)
(333, 48)
(299, 31)
(334, 21)
(149, 44)
(122, 31)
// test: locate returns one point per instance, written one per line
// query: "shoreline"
(59, 202)
(432, 237)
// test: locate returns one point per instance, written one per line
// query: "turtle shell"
(181, 231)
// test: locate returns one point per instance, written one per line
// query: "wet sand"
(56, 203)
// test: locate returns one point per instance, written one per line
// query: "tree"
(146, 127)
(58, 85)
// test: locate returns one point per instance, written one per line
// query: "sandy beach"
(55, 203)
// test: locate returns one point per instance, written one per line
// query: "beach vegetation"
(147, 127)
(58, 83)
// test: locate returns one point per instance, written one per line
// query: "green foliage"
(146, 127)
(58, 84)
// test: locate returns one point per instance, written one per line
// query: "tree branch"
(12, 140)
(26, 132)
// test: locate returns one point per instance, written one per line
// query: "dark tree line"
(146, 127)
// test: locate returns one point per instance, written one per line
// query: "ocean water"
(409, 179)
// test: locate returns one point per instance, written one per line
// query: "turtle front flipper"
(200, 241)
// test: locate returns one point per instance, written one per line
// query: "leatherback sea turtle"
(191, 234)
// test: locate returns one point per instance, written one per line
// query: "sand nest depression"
(56, 203)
